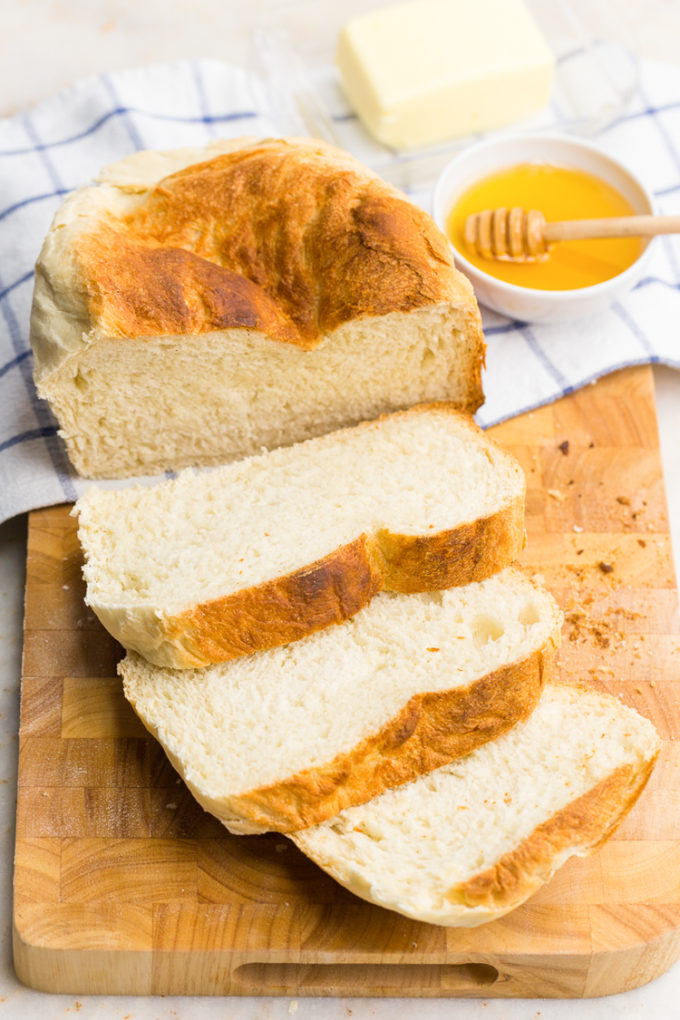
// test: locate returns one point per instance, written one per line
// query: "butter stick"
(426, 71)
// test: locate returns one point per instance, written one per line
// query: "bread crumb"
(433, 649)
(623, 500)
(606, 568)
(556, 494)
(292, 1008)
(564, 447)
(577, 528)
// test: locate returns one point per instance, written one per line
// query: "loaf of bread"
(472, 840)
(285, 738)
(261, 552)
(195, 306)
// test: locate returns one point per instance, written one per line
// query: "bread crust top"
(289, 237)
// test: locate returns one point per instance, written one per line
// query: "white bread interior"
(280, 738)
(165, 564)
(473, 839)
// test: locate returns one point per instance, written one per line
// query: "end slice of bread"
(214, 565)
(475, 838)
(199, 304)
(285, 738)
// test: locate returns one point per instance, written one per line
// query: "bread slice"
(196, 305)
(258, 553)
(285, 738)
(473, 839)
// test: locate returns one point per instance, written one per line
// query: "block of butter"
(425, 71)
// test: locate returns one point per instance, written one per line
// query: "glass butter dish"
(299, 88)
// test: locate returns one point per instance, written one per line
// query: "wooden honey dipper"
(514, 235)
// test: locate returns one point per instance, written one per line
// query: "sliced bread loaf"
(196, 305)
(285, 738)
(258, 553)
(475, 838)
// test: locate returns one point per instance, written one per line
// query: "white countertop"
(45, 45)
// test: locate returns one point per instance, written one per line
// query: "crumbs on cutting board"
(604, 631)
(631, 512)
(594, 577)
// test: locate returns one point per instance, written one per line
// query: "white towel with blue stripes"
(62, 143)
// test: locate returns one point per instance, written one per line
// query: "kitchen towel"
(62, 143)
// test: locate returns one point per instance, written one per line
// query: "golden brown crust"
(137, 289)
(471, 552)
(293, 238)
(285, 609)
(336, 587)
(581, 826)
(431, 730)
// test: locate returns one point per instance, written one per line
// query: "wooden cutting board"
(124, 885)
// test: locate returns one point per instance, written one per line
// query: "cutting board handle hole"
(323, 977)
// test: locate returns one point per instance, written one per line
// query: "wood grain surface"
(124, 885)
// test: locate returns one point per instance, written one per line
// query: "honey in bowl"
(560, 193)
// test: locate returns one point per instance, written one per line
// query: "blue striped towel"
(46, 152)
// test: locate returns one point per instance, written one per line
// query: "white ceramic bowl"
(524, 303)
